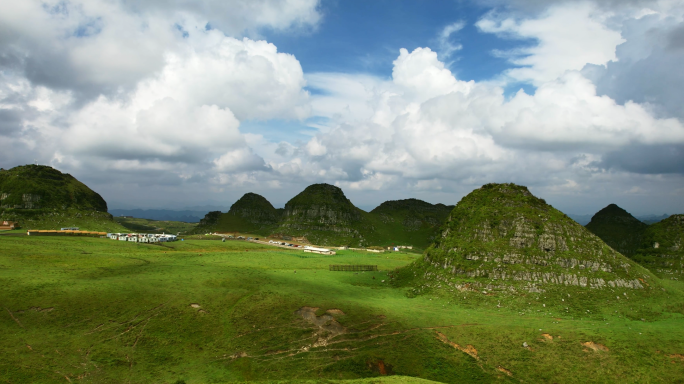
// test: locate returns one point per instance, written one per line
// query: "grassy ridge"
(122, 312)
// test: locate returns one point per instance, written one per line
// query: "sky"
(179, 103)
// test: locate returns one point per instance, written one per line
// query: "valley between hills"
(502, 287)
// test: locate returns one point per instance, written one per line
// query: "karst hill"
(251, 213)
(322, 214)
(41, 197)
(662, 248)
(501, 237)
(618, 228)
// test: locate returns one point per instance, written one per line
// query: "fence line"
(353, 268)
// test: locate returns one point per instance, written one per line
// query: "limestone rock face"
(618, 228)
(502, 234)
(662, 248)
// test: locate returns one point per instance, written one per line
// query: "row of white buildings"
(142, 237)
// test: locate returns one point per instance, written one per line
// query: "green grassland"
(154, 226)
(56, 219)
(94, 310)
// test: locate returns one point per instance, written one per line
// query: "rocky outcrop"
(502, 233)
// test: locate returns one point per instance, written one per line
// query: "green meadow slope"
(102, 311)
(41, 197)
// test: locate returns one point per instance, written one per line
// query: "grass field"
(135, 224)
(99, 311)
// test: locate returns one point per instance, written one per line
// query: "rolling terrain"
(100, 311)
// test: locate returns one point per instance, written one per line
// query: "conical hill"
(324, 215)
(40, 186)
(618, 228)
(662, 248)
(255, 209)
(501, 237)
(251, 213)
(41, 197)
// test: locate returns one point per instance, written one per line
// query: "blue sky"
(365, 36)
(222, 97)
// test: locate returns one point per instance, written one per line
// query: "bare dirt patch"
(469, 349)
(328, 327)
(595, 346)
(504, 370)
(676, 356)
(380, 367)
(547, 336)
(335, 312)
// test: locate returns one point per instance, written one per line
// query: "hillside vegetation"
(662, 249)
(619, 229)
(41, 197)
(501, 239)
(322, 214)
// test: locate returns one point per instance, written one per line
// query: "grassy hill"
(102, 311)
(323, 215)
(252, 213)
(662, 248)
(408, 222)
(618, 228)
(41, 197)
(501, 239)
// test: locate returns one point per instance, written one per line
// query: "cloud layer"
(153, 97)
